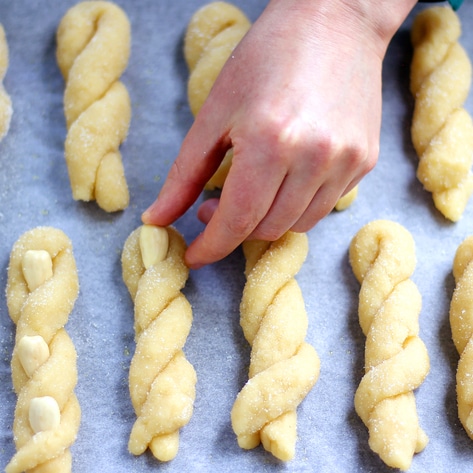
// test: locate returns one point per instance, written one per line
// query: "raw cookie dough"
(442, 130)
(93, 46)
(41, 291)
(6, 109)
(162, 381)
(345, 201)
(212, 34)
(283, 367)
(382, 255)
(461, 322)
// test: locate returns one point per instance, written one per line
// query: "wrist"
(373, 21)
(382, 17)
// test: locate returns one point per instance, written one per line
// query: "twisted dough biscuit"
(41, 290)
(211, 35)
(442, 131)
(382, 255)
(162, 381)
(283, 367)
(345, 201)
(6, 109)
(93, 46)
(461, 322)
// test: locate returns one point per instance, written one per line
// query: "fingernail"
(189, 257)
(192, 265)
(196, 266)
(145, 216)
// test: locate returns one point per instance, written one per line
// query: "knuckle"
(240, 225)
(267, 233)
(304, 226)
(357, 154)
(277, 136)
(372, 157)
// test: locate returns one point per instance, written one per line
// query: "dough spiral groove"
(283, 367)
(93, 47)
(442, 130)
(461, 322)
(161, 379)
(40, 314)
(382, 255)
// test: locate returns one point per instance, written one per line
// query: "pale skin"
(300, 103)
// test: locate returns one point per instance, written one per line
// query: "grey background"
(34, 190)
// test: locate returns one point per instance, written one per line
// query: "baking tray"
(34, 190)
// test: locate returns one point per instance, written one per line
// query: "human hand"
(300, 104)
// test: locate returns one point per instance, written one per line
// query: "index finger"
(198, 159)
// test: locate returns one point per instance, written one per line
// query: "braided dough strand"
(211, 35)
(382, 255)
(442, 130)
(283, 367)
(41, 314)
(461, 322)
(6, 109)
(93, 47)
(162, 381)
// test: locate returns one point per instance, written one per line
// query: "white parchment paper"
(34, 190)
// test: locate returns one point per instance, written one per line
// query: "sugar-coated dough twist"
(382, 255)
(93, 47)
(461, 322)
(162, 381)
(6, 109)
(442, 130)
(283, 367)
(211, 35)
(345, 201)
(40, 314)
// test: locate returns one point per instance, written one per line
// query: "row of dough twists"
(41, 291)
(42, 288)
(442, 134)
